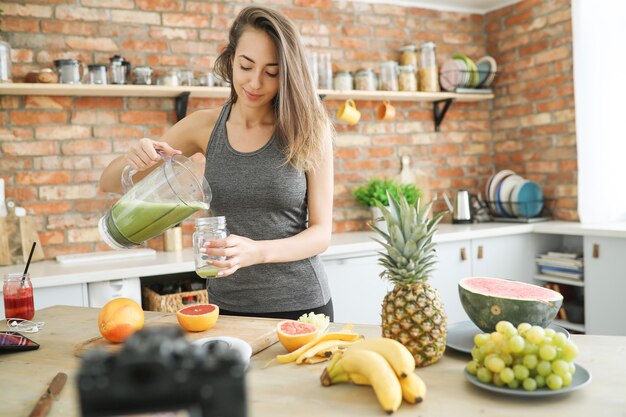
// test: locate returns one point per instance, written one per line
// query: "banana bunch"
(322, 348)
(383, 363)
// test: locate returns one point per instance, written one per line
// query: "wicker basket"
(171, 303)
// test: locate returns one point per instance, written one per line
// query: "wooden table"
(294, 390)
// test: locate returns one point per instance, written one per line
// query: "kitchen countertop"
(286, 390)
(52, 273)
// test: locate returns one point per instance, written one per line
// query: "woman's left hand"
(238, 250)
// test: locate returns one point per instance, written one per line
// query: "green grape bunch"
(527, 357)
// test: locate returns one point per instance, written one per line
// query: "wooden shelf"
(569, 325)
(114, 90)
(441, 101)
(111, 90)
(549, 278)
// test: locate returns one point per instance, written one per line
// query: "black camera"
(158, 370)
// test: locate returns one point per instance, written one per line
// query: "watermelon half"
(489, 300)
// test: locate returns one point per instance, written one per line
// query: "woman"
(269, 164)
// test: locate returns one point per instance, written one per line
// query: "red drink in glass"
(18, 297)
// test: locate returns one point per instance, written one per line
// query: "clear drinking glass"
(208, 229)
(18, 296)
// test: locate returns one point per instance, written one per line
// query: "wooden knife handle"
(43, 406)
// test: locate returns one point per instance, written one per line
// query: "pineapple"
(412, 312)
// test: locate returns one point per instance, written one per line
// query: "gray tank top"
(262, 199)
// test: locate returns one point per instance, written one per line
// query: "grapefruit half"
(198, 317)
(293, 334)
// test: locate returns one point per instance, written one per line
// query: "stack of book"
(561, 265)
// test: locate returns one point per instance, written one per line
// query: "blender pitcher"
(164, 198)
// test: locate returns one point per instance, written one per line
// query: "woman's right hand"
(144, 153)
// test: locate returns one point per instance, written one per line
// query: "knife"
(45, 401)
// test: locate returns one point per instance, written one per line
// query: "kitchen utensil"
(45, 401)
(462, 210)
(70, 71)
(120, 70)
(164, 198)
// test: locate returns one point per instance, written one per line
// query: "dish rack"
(462, 85)
(545, 214)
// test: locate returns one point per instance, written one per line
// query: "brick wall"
(53, 149)
(532, 119)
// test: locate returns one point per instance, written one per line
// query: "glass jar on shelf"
(408, 55)
(208, 229)
(366, 80)
(343, 81)
(428, 71)
(142, 75)
(388, 76)
(407, 78)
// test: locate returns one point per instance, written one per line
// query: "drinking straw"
(30, 256)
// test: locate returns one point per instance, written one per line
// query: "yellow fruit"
(119, 318)
(198, 317)
(293, 334)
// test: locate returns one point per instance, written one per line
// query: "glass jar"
(169, 78)
(408, 55)
(18, 296)
(365, 79)
(142, 75)
(70, 71)
(428, 72)
(5, 62)
(208, 229)
(96, 74)
(343, 81)
(185, 77)
(388, 76)
(407, 78)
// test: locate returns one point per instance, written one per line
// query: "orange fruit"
(198, 317)
(119, 318)
(294, 334)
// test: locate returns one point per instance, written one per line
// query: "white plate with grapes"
(461, 335)
(580, 378)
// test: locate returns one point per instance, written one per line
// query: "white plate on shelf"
(504, 193)
(461, 335)
(493, 186)
(580, 378)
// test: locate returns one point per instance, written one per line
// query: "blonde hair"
(303, 128)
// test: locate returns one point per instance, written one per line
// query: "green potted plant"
(376, 189)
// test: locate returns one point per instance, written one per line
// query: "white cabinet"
(356, 288)
(454, 263)
(605, 285)
(510, 257)
(68, 295)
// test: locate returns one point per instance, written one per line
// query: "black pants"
(293, 315)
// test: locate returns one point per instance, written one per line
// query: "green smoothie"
(208, 271)
(131, 222)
